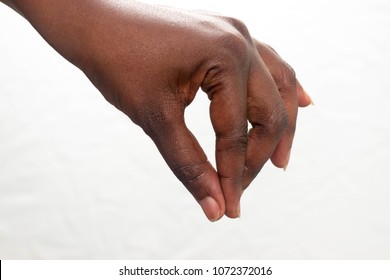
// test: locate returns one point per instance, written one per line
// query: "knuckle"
(235, 37)
(232, 144)
(278, 120)
(271, 48)
(286, 78)
(271, 124)
(235, 44)
(190, 174)
(232, 137)
(238, 25)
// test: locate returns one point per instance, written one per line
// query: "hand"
(150, 61)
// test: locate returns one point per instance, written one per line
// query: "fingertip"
(311, 102)
(235, 212)
(277, 162)
(308, 99)
(232, 192)
(286, 160)
(211, 208)
(305, 99)
(280, 158)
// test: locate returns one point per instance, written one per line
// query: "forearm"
(8, 3)
(62, 23)
(78, 29)
(81, 29)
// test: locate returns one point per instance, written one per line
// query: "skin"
(149, 62)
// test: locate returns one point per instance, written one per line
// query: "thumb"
(187, 160)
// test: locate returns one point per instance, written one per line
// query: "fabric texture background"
(78, 180)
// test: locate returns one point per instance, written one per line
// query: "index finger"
(229, 120)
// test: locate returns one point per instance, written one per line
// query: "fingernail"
(287, 160)
(211, 208)
(308, 96)
(239, 210)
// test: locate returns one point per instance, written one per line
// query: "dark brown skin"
(150, 61)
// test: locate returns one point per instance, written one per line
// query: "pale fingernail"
(287, 160)
(211, 208)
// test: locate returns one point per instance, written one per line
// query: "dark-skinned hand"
(150, 62)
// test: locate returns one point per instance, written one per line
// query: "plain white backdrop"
(78, 180)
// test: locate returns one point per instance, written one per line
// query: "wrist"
(12, 5)
(65, 25)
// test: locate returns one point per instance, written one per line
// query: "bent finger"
(228, 116)
(273, 60)
(267, 115)
(292, 95)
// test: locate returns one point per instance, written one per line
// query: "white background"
(78, 180)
